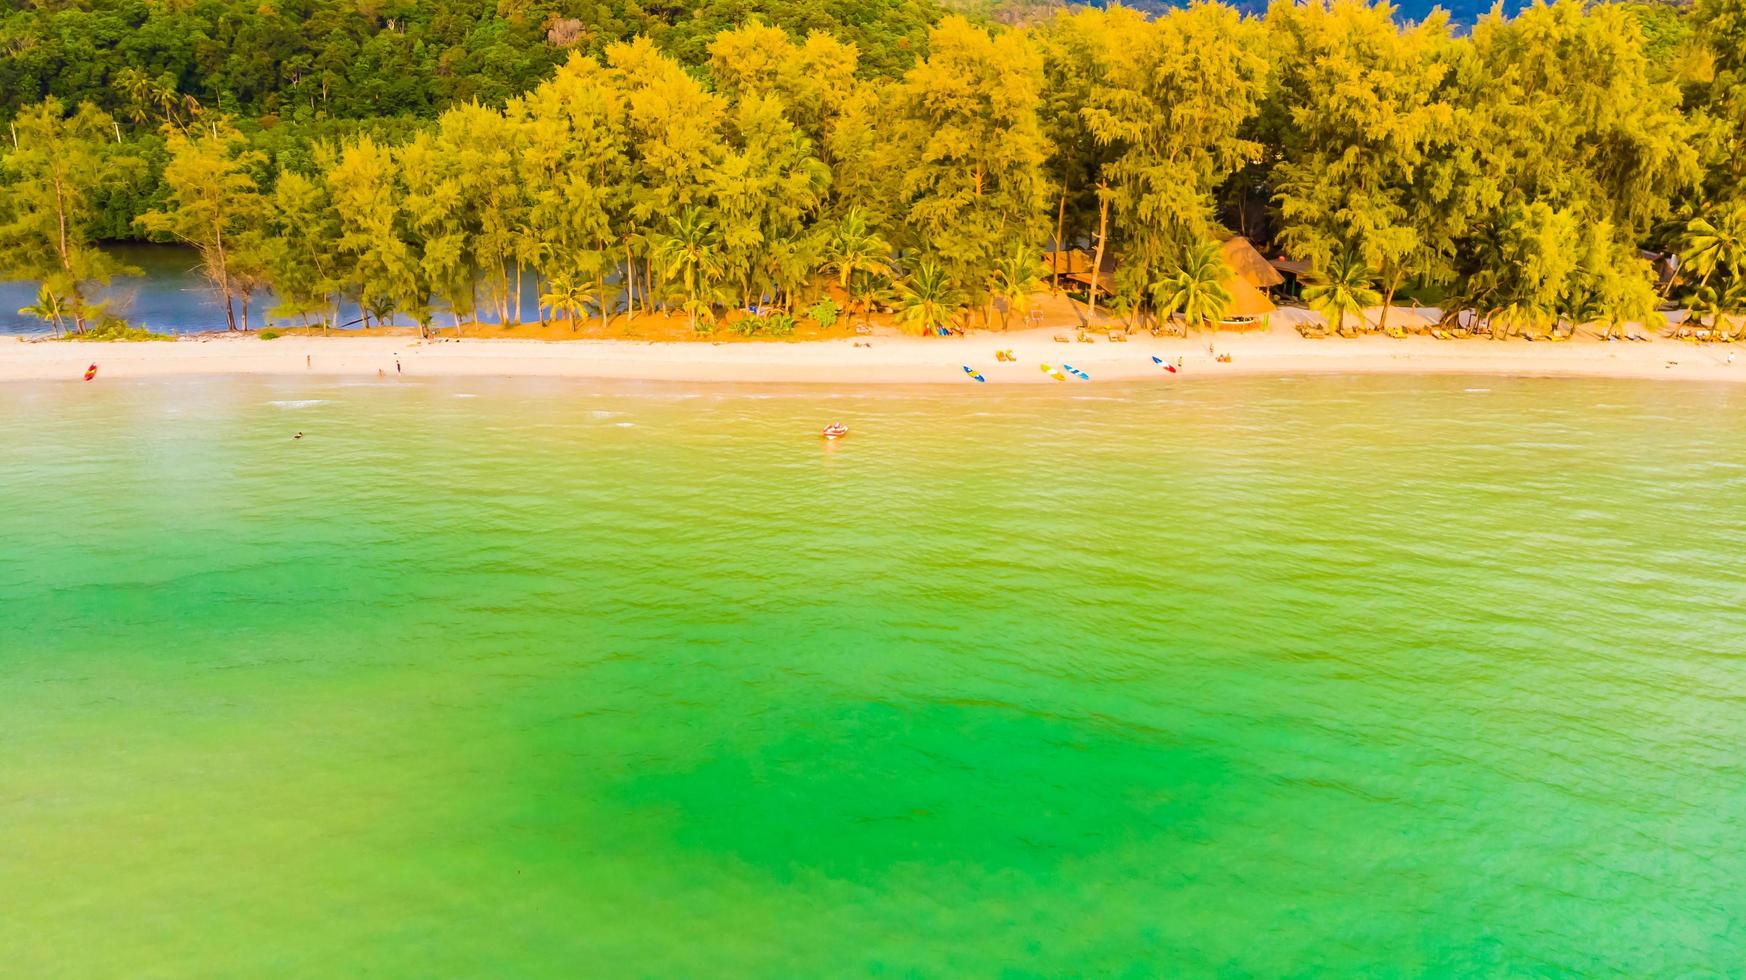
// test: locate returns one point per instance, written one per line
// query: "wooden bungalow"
(1074, 267)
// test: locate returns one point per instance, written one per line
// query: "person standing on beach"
(396, 362)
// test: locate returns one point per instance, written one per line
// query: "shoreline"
(888, 358)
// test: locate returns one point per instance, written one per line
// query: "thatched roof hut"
(1249, 264)
(1247, 303)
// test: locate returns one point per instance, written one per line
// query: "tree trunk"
(78, 298)
(603, 317)
(1060, 246)
(1102, 234)
(630, 283)
(518, 290)
(224, 276)
(1388, 300)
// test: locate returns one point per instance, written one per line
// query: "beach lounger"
(1059, 339)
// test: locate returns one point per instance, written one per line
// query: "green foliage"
(927, 298)
(690, 254)
(268, 335)
(157, 62)
(973, 186)
(1343, 288)
(1368, 133)
(53, 173)
(215, 206)
(1016, 275)
(417, 157)
(1175, 95)
(113, 328)
(779, 325)
(1194, 288)
(825, 313)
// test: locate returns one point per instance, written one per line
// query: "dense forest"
(414, 156)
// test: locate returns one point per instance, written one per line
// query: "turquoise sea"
(1333, 676)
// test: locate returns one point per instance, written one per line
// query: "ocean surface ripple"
(1368, 676)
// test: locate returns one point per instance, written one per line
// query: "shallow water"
(170, 295)
(1349, 676)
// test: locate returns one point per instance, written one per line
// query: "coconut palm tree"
(566, 294)
(1016, 276)
(1715, 306)
(1344, 287)
(691, 253)
(1195, 288)
(48, 307)
(1718, 245)
(927, 298)
(857, 253)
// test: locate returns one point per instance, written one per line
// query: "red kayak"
(90, 372)
(836, 430)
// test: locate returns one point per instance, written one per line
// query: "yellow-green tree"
(1175, 96)
(215, 206)
(298, 249)
(574, 143)
(973, 183)
(383, 272)
(1364, 123)
(53, 170)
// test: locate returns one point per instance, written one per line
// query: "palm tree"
(567, 295)
(857, 253)
(48, 307)
(1195, 289)
(1733, 304)
(690, 252)
(1015, 278)
(928, 299)
(1585, 303)
(1716, 245)
(1343, 288)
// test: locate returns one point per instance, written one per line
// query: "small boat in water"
(836, 430)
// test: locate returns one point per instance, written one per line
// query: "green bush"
(746, 326)
(825, 313)
(779, 325)
(115, 328)
(269, 335)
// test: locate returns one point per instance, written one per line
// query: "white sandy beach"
(888, 359)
